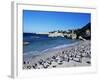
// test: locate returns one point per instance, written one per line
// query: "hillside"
(84, 32)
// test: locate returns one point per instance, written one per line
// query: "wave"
(65, 45)
(59, 47)
(35, 53)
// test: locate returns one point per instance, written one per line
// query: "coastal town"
(73, 33)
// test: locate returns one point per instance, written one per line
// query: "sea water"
(39, 43)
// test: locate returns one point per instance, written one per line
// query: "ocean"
(38, 43)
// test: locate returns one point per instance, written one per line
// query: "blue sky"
(45, 21)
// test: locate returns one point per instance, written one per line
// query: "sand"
(77, 54)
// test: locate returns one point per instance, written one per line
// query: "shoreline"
(65, 56)
(50, 49)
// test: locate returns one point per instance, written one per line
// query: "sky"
(46, 21)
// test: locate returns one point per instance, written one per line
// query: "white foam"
(63, 46)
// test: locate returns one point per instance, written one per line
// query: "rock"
(77, 59)
(88, 62)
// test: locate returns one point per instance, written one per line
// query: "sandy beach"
(77, 54)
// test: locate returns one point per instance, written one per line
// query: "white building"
(55, 34)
